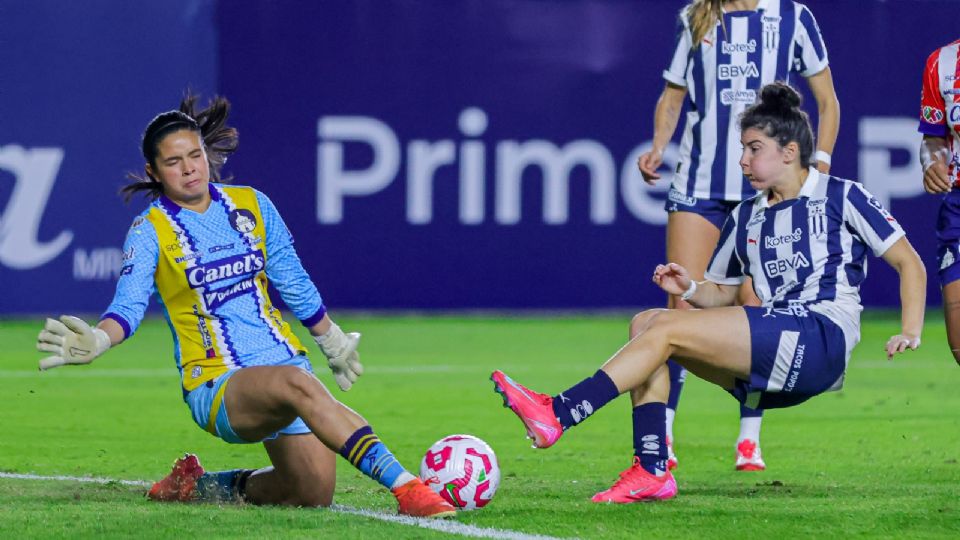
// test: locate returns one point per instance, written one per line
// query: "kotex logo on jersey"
(230, 267)
(730, 48)
(782, 239)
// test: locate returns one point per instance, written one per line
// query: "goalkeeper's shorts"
(209, 408)
(795, 354)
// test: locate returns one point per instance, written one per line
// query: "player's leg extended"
(262, 400)
(714, 344)
(691, 239)
(747, 450)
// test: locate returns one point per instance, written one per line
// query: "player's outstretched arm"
(340, 350)
(913, 295)
(675, 280)
(72, 341)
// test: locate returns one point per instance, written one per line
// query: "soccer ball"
(463, 470)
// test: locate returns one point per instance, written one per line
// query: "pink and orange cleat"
(671, 457)
(637, 485)
(748, 456)
(180, 485)
(534, 409)
(416, 499)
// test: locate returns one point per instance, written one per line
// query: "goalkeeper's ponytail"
(703, 16)
(219, 140)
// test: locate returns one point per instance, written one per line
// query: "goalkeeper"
(208, 252)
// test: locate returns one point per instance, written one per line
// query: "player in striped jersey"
(208, 251)
(726, 51)
(940, 154)
(804, 240)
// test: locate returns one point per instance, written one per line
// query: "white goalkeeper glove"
(72, 341)
(342, 356)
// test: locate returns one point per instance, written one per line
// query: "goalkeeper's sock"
(223, 486)
(649, 437)
(365, 451)
(580, 401)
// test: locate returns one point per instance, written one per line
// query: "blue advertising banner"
(425, 155)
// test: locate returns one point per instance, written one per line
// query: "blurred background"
(426, 155)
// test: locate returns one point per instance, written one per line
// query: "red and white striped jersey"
(940, 102)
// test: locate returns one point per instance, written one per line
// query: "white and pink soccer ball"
(463, 470)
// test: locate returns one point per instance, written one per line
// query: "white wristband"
(691, 290)
(822, 157)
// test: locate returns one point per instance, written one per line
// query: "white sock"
(402, 479)
(750, 428)
(670, 416)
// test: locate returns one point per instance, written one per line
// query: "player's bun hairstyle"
(703, 15)
(779, 116)
(219, 140)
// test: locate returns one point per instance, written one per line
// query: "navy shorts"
(712, 210)
(948, 238)
(795, 355)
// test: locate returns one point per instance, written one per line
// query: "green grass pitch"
(879, 459)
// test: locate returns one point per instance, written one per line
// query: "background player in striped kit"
(726, 50)
(940, 154)
(804, 240)
(209, 252)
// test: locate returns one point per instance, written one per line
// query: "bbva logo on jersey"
(785, 264)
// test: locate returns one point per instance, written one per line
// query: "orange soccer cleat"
(180, 485)
(415, 499)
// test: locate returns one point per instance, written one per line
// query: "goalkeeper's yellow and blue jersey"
(210, 271)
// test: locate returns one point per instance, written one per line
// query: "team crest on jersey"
(771, 32)
(243, 220)
(817, 217)
(757, 219)
(932, 115)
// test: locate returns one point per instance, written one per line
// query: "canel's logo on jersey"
(784, 265)
(955, 114)
(35, 171)
(732, 71)
(238, 265)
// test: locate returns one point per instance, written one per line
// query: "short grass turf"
(878, 459)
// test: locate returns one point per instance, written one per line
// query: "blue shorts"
(209, 409)
(948, 238)
(712, 210)
(795, 355)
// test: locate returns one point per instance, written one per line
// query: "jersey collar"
(806, 190)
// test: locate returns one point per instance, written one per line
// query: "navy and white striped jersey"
(808, 253)
(723, 76)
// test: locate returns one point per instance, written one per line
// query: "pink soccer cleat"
(180, 485)
(671, 457)
(748, 456)
(637, 485)
(534, 409)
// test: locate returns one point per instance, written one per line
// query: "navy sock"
(365, 451)
(580, 401)
(223, 486)
(677, 377)
(650, 437)
(747, 412)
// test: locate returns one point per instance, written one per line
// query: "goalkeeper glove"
(72, 341)
(342, 356)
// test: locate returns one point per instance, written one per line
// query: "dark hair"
(778, 115)
(219, 140)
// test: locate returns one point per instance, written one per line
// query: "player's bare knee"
(303, 386)
(641, 321)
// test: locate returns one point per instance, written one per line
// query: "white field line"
(444, 526)
(171, 373)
